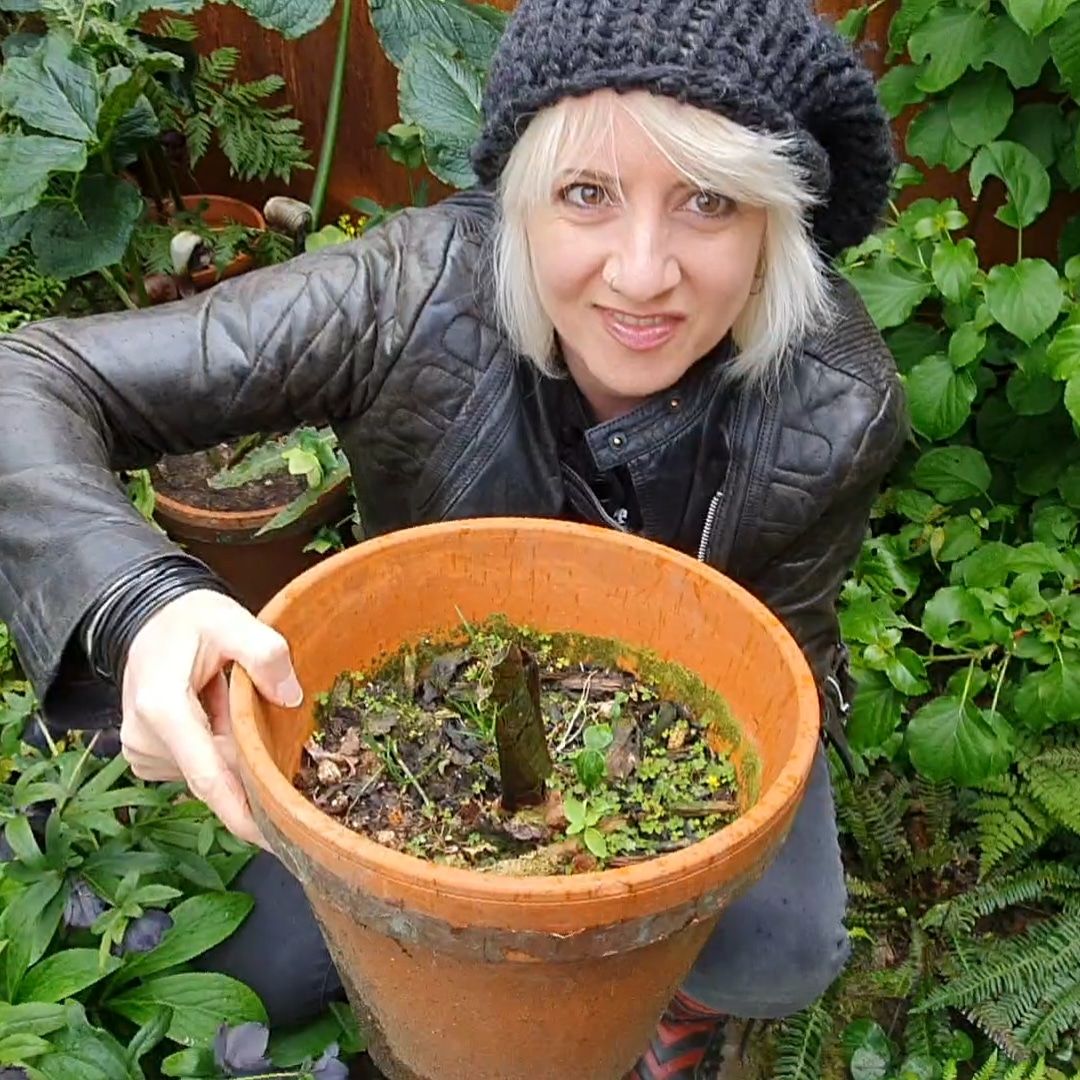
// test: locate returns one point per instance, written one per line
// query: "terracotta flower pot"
(459, 974)
(256, 567)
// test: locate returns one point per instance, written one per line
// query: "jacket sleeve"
(802, 583)
(303, 342)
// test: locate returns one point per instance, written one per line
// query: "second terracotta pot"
(462, 975)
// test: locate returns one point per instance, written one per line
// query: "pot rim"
(339, 843)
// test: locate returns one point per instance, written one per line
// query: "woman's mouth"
(640, 332)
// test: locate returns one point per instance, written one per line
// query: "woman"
(631, 322)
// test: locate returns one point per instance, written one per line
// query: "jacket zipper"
(584, 492)
(710, 524)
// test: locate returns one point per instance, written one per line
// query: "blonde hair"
(715, 154)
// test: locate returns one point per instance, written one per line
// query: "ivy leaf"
(890, 290)
(1025, 179)
(939, 397)
(53, 90)
(69, 241)
(931, 137)
(954, 616)
(1022, 57)
(1065, 48)
(980, 107)
(26, 162)
(897, 89)
(952, 473)
(876, 711)
(949, 41)
(952, 739)
(1035, 16)
(954, 267)
(1025, 298)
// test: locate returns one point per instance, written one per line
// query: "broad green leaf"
(199, 923)
(20, 1048)
(1026, 298)
(442, 96)
(1064, 351)
(912, 14)
(912, 341)
(966, 345)
(70, 241)
(81, 1052)
(195, 1062)
(1035, 16)
(948, 43)
(53, 90)
(20, 927)
(448, 158)
(290, 18)
(13, 230)
(980, 106)
(199, 1001)
(954, 267)
(291, 1048)
(473, 30)
(25, 164)
(65, 974)
(134, 132)
(1042, 128)
(890, 291)
(931, 137)
(876, 711)
(939, 397)
(952, 739)
(1024, 176)
(952, 473)
(986, 567)
(1072, 397)
(1065, 48)
(1022, 57)
(960, 536)
(955, 616)
(868, 1064)
(1033, 395)
(881, 566)
(907, 672)
(898, 89)
(37, 1018)
(1052, 696)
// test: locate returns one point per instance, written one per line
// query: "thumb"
(208, 776)
(263, 653)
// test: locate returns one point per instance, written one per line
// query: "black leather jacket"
(391, 340)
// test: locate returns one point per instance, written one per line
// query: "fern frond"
(1008, 823)
(1052, 779)
(989, 1070)
(1039, 881)
(181, 29)
(873, 814)
(799, 1048)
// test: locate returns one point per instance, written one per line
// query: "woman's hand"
(176, 723)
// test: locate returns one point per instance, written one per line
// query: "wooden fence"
(370, 106)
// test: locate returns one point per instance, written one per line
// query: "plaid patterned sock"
(684, 1036)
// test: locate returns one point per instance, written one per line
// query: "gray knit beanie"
(770, 65)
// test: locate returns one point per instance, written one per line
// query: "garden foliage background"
(961, 826)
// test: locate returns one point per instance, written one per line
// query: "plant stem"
(333, 116)
(1000, 683)
(119, 289)
(155, 183)
(164, 166)
(411, 778)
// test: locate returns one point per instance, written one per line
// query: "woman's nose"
(643, 266)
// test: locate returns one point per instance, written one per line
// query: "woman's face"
(642, 276)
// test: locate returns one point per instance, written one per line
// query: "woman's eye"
(585, 195)
(710, 204)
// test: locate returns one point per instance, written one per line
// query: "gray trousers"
(775, 950)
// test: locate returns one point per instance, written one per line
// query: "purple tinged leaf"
(329, 1066)
(143, 934)
(11, 1072)
(84, 907)
(6, 855)
(241, 1050)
